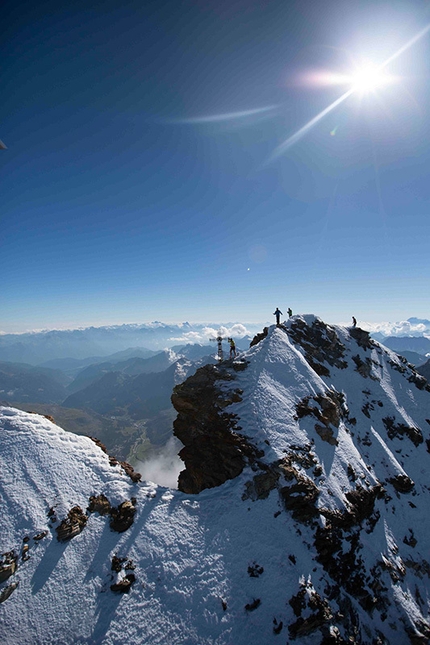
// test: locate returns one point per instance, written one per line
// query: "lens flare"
(369, 78)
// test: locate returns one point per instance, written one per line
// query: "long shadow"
(107, 604)
(47, 564)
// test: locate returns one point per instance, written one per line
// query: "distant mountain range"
(41, 347)
(301, 514)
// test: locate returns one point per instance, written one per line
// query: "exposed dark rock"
(300, 497)
(124, 585)
(99, 504)
(259, 337)
(134, 476)
(122, 516)
(364, 368)
(308, 599)
(72, 525)
(329, 411)
(410, 539)
(213, 450)
(261, 485)
(253, 605)
(8, 565)
(277, 626)
(400, 429)
(255, 570)
(362, 337)
(402, 483)
(320, 343)
(7, 591)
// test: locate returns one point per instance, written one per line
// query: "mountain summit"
(301, 513)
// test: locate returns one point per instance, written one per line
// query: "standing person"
(277, 313)
(290, 312)
(354, 322)
(232, 348)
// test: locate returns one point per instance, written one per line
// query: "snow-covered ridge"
(322, 537)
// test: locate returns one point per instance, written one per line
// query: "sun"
(368, 78)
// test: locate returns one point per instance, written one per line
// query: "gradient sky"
(142, 179)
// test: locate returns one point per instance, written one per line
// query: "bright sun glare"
(369, 78)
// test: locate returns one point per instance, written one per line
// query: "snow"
(192, 552)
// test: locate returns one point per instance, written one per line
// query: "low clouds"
(204, 335)
(411, 327)
(163, 468)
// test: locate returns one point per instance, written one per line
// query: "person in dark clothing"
(354, 322)
(232, 348)
(289, 312)
(278, 313)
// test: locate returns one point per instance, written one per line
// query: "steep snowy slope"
(318, 531)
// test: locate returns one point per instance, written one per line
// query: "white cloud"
(402, 328)
(204, 335)
(164, 468)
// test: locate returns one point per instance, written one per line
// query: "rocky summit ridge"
(301, 514)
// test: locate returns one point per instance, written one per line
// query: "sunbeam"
(300, 133)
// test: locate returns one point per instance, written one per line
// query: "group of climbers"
(278, 313)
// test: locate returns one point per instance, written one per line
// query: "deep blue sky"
(118, 207)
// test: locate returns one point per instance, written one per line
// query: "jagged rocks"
(72, 525)
(401, 483)
(8, 565)
(259, 337)
(320, 343)
(124, 585)
(7, 591)
(330, 412)
(134, 476)
(122, 517)
(261, 485)
(364, 368)
(362, 337)
(299, 497)
(99, 504)
(213, 449)
(400, 429)
(309, 601)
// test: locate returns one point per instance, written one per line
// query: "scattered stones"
(72, 525)
(113, 461)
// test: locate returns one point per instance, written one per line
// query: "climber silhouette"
(278, 313)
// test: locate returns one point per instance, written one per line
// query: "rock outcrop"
(214, 450)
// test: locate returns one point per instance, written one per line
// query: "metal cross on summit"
(219, 340)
